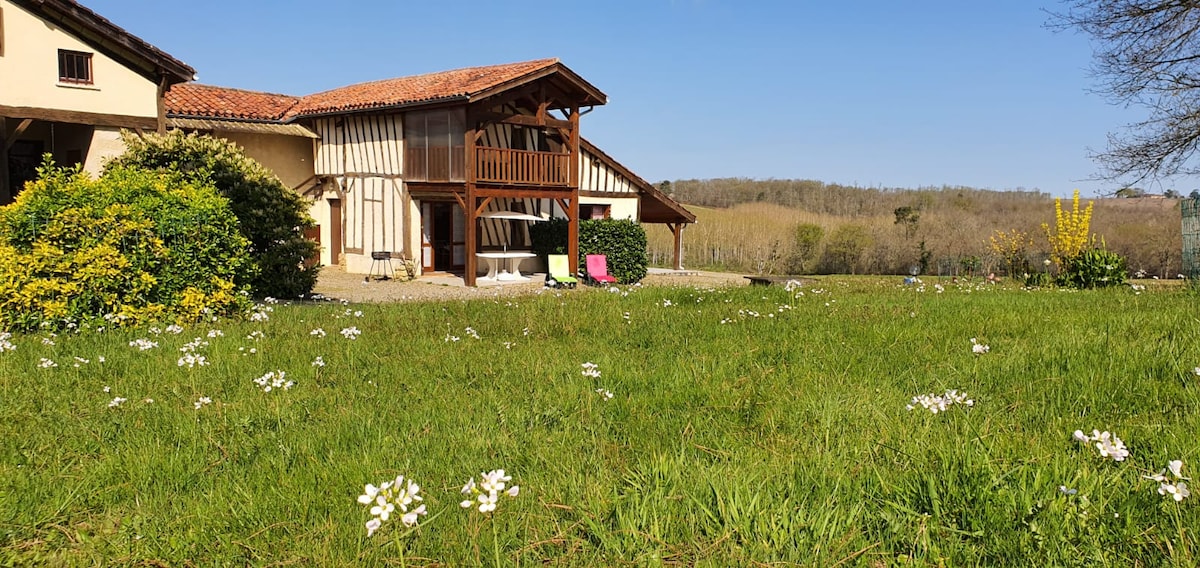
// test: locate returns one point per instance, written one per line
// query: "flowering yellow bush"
(1071, 230)
(130, 247)
(1011, 246)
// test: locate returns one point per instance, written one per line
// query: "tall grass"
(778, 436)
(760, 236)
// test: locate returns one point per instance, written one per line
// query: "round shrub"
(271, 216)
(130, 247)
(622, 241)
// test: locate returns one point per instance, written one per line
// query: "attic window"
(74, 67)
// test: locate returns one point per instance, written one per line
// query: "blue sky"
(894, 94)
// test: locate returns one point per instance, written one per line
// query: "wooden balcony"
(522, 167)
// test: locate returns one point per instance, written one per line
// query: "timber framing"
(77, 117)
(6, 193)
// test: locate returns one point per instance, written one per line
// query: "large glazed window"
(433, 145)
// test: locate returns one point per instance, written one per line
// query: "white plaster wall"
(621, 207)
(31, 60)
(318, 209)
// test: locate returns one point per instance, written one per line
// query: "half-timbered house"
(412, 166)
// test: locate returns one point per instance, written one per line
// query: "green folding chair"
(559, 271)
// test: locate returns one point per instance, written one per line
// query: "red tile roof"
(443, 85)
(195, 100)
(203, 101)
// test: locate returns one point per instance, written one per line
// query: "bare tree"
(1147, 53)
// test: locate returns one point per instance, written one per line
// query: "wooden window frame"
(66, 56)
(591, 210)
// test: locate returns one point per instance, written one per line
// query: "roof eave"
(380, 108)
(593, 95)
(112, 39)
(643, 186)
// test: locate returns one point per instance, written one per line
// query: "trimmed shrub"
(130, 247)
(271, 216)
(622, 241)
(1095, 268)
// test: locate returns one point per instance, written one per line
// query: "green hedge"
(622, 241)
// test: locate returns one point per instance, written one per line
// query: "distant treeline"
(806, 226)
(834, 199)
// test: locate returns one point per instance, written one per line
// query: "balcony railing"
(522, 167)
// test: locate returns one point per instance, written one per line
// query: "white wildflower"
(936, 403)
(591, 370)
(485, 495)
(399, 493)
(979, 348)
(143, 344)
(275, 380)
(351, 332)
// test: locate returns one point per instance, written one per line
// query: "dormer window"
(74, 67)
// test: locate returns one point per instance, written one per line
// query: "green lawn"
(747, 426)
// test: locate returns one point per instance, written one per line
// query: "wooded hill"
(752, 226)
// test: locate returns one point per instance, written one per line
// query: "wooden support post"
(573, 182)
(469, 211)
(162, 104)
(573, 231)
(6, 193)
(677, 231)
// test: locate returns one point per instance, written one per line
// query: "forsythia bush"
(130, 247)
(1012, 247)
(1071, 230)
(271, 216)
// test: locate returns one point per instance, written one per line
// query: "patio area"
(336, 283)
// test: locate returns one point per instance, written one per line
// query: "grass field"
(747, 426)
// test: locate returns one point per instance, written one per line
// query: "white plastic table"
(505, 259)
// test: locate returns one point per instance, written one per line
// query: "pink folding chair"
(597, 269)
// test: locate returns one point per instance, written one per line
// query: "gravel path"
(336, 283)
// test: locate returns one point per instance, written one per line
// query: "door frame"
(429, 258)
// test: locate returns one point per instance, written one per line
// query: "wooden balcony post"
(469, 212)
(573, 183)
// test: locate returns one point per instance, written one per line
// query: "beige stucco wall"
(106, 144)
(621, 207)
(31, 60)
(290, 157)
